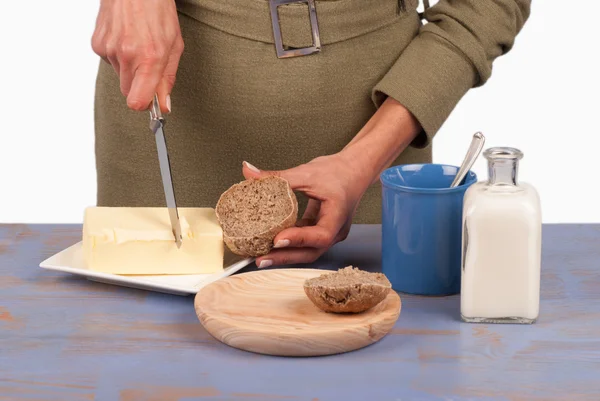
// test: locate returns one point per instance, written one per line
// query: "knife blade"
(157, 123)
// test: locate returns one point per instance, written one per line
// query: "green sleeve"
(452, 53)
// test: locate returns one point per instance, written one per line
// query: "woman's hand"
(336, 183)
(334, 188)
(142, 41)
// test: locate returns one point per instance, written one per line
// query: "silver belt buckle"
(314, 28)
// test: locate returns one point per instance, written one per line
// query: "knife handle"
(155, 114)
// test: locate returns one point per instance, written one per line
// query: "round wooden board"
(267, 312)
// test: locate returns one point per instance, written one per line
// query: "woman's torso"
(234, 100)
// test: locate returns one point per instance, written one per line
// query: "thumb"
(294, 175)
(164, 97)
(165, 87)
(251, 171)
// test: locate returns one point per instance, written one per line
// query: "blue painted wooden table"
(65, 338)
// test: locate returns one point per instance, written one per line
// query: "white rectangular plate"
(71, 261)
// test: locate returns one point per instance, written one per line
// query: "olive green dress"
(235, 100)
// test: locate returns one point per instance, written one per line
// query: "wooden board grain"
(267, 312)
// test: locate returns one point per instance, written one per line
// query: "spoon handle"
(471, 156)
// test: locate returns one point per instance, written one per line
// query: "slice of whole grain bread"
(252, 212)
(349, 290)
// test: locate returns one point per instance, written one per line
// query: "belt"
(297, 27)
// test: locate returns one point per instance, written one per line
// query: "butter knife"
(157, 123)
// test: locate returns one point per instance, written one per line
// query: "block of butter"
(139, 240)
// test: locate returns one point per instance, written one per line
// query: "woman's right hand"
(142, 41)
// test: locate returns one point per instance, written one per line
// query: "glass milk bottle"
(502, 241)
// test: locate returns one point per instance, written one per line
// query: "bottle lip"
(503, 152)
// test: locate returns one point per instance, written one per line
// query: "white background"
(542, 98)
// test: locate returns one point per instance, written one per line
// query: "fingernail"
(251, 167)
(265, 263)
(169, 103)
(282, 243)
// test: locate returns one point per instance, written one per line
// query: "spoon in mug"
(471, 156)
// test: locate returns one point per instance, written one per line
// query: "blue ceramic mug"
(421, 228)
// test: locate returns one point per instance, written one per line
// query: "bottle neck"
(503, 171)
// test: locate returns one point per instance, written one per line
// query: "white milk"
(502, 241)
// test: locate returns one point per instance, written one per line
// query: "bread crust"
(355, 297)
(259, 244)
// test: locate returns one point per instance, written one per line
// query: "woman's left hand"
(336, 183)
(334, 187)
